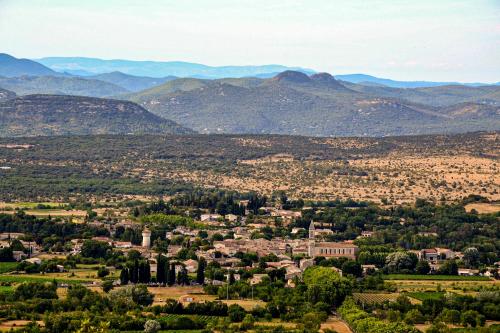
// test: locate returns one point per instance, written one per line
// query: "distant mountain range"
(47, 115)
(61, 85)
(319, 105)
(158, 69)
(376, 81)
(289, 102)
(130, 82)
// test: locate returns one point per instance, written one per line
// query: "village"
(232, 236)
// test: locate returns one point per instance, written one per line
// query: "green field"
(435, 277)
(6, 289)
(6, 267)
(31, 278)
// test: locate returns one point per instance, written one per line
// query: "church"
(330, 249)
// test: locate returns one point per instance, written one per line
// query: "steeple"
(311, 230)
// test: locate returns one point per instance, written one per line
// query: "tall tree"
(124, 276)
(160, 269)
(200, 274)
(134, 272)
(171, 275)
(182, 277)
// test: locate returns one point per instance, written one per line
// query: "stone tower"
(146, 238)
(312, 235)
(311, 230)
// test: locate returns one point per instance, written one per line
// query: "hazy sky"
(452, 40)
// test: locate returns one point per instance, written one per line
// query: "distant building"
(333, 250)
(257, 278)
(468, 272)
(191, 265)
(146, 238)
(231, 217)
(209, 217)
(313, 232)
(434, 255)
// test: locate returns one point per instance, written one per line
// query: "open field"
(13, 324)
(30, 205)
(483, 208)
(39, 278)
(421, 296)
(6, 267)
(197, 294)
(51, 212)
(398, 169)
(460, 287)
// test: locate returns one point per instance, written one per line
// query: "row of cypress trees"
(140, 272)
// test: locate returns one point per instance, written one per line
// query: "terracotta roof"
(335, 245)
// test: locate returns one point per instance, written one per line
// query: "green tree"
(107, 286)
(422, 267)
(325, 285)
(124, 278)
(171, 275)
(449, 267)
(471, 257)
(413, 317)
(311, 322)
(182, 277)
(236, 313)
(200, 273)
(248, 322)
(469, 318)
(161, 269)
(351, 267)
(95, 249)
(401, 262)
(102, 272)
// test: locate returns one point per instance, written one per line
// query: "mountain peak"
(11, 67)
(323, 77)
(326, 79)
(292, 76)
(5, 56)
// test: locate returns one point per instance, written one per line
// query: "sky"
(434, 40)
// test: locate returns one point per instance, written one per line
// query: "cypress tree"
(160, 269)
(134, 272)
(144, 272)
(124, 276)
(147, 272)
(171, 275)
(200, 274)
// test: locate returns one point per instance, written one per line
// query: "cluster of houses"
(310, 244)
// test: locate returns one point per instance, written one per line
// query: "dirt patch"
(334, 323)
(483, 208)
